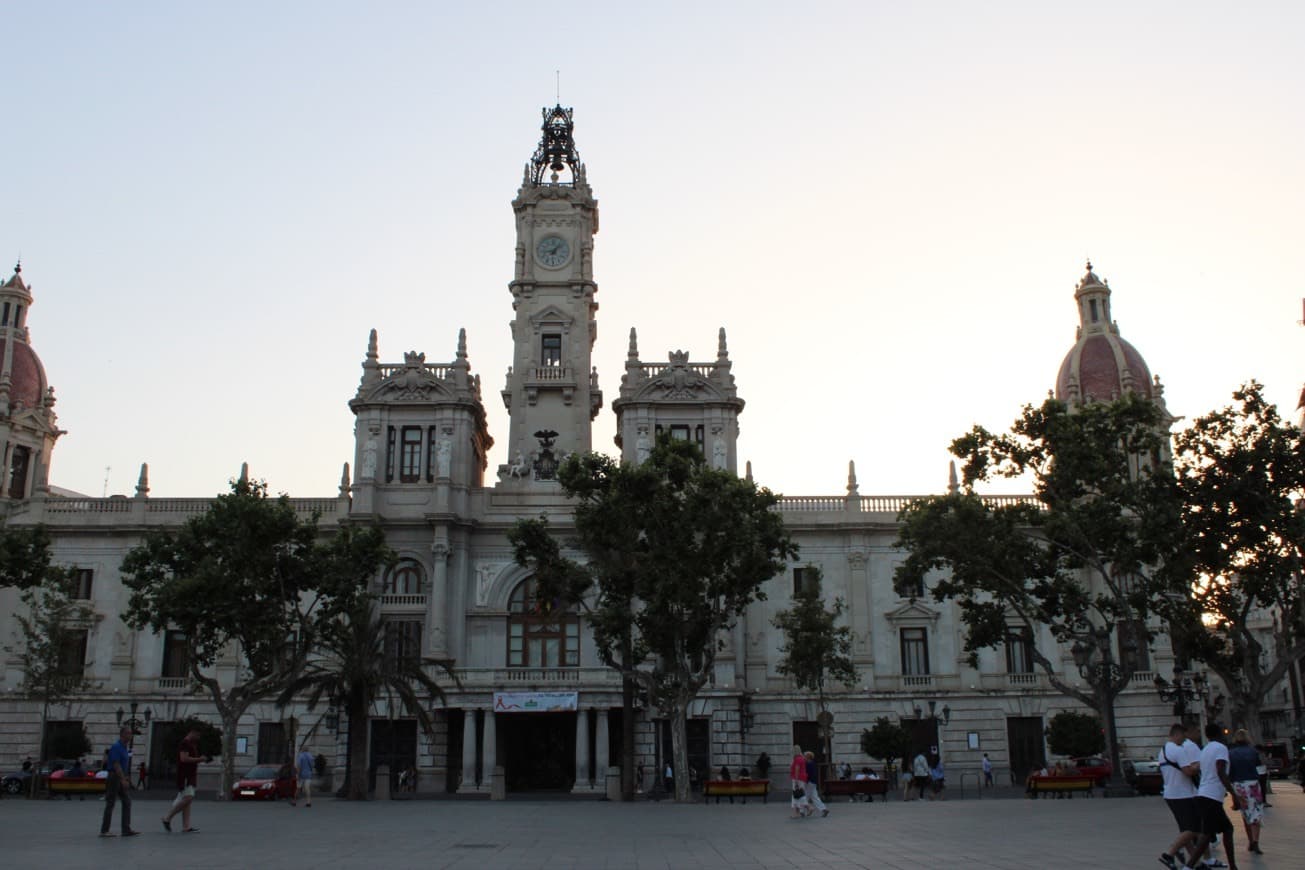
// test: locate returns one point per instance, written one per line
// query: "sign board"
(536, 702)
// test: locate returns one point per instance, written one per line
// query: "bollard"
(382, 782)
(498, 785)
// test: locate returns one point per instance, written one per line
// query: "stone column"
(437, 602)
(468, 752)
(601, 761)
(581, 751)
(489, 753)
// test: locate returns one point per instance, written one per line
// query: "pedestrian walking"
(118, 785)
(305, 763)
(936, 779)
(1243, 762)
(1180, 762)
(920, 774)
(908, 778)
(797, 778)
(142, 777)
(987, 771)
(188, 759)
(813, 787)
(1210, 793)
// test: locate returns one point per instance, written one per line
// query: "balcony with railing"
(525, 678)
(173, 684)
(403, 601)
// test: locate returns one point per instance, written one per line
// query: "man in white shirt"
(1214, 786)
(1180, 760)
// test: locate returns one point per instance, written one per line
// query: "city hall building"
(534, 698)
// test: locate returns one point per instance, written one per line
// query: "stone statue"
(718, 453)
(642, 447)
(484, 577)
(443, 457)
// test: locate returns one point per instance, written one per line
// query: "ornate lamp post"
(1098, 668)
(136, 725)
(1184, 689)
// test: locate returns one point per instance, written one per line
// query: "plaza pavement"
(1008, 834)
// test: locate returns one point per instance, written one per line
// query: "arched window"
(540, 634)
(406, 578)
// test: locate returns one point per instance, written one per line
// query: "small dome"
(1100, 366)
(1098, 363)
(27, 382)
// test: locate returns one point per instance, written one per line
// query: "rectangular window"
(1019, 654)
(403, 640)
(1133, 645)
(18, 472)
(699, 436)
(1092, 307)
(80, 588)
(679, 433)
(272, 745)
(4, 320)
(410, 455)
(915, 652)
(72, 656)
(430, 455)
(389, 454)
(803, 581)
(551, 351)
(176, 655)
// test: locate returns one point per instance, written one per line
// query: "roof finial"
(851, 477)
(371, 346)
(143, 482)
(462, 343)
(244, 472)
(18, 267)
(722, 351)
(344, 481)
(748, 470)
(633, 352)
(953, 485)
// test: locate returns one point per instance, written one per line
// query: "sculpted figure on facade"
(443, 457)
(642, 446)
(718, 450)
(485, 572)
(369, 458)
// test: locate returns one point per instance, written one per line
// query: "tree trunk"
(680, 749)
(627, 739)
(1112, 739)
(358, 750)
(230, 722)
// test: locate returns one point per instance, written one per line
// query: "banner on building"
(536, 702)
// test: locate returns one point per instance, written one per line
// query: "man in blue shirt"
(119, 785)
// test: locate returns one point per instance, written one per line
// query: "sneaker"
(131, 833)
(1214, 862)
(167, 825)
(107, 834)
(1168, 860)
(824, 813)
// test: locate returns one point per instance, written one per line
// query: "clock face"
(552, 251)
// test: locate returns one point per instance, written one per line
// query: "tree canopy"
(816, 648)
(247, 582)
(1075, 734)
(672, 552)
(886, 740)
(1077, 559)
(1234, 596)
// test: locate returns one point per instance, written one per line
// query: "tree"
(886, 740)
(70, 742)
(1078, 559)
(1241, 474)
(247, 582)
(1075, 734)
(50, 644)
(816, 648)
(358, 662)
(210, 737)
(674, 551)
(24, 556)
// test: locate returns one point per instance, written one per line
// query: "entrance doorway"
(924, 737)
(163, 764)
(1024, 739)
(394, 742)
(697, 746)
(538, 750)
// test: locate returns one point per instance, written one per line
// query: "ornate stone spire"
(748, 471)
(344, 481)
(244, 473)
(633, 352)
(143, 482)
(953, 484)
(851, 474)
(722, 349)
(462, 343)
(371, 365)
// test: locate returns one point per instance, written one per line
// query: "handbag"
(798, 791)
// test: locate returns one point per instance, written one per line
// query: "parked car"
(17, 782)
(265, 782)
(1094, 766)
(1143, 774)
(1275, 758)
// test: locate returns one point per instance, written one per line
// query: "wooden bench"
(60, 782)
(853, 787)
(732, 788)
(1058, 785)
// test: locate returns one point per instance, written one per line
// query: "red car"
(1094, 766)
(266, 782)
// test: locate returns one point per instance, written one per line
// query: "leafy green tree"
(1078, 559)
(210, 737)
(70, 742)
(1241, 474)
(674, 551)
(1075, 734)
(816, 648)
(358, 662)
(248, 582)
(24, 556)
(49, 644)
(885, 741)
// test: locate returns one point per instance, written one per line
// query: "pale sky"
(887, 206)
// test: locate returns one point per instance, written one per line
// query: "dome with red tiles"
(27, 376)
(1100, 366)
(19, 364)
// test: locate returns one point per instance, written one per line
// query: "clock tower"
(552, 392)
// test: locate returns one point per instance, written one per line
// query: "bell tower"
(552, 386)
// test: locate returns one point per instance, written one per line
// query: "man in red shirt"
(188, 759)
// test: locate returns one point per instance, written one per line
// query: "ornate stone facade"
(421, 447)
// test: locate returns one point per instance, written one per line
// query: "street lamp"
(1182, 690)
(1099, 669)
(135, 724)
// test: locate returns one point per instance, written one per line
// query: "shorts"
(1213, 819)
(1186, 814)
(188, 791)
